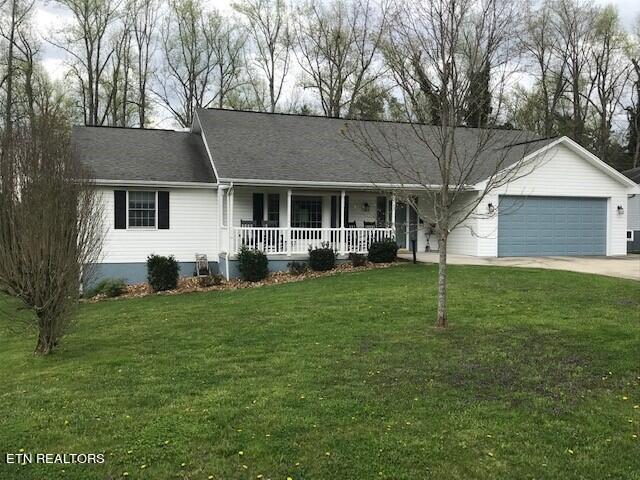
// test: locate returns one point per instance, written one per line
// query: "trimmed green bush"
(162, 272)
(297, 268)
(357, 259)
(322, 259)
(253, 265)
(109, 287)
(384, 251)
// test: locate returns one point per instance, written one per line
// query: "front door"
(401, 224)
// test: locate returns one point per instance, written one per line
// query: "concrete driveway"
(623, 267)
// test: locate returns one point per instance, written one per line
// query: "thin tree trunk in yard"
(442, 282)
(45, 344)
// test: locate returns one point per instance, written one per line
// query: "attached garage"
(544, 226)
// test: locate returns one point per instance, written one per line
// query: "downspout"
(229, 227)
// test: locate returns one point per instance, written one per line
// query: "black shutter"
(334, 211)
(163, 210)
(258, 208)
(120, 209)
(346, 210)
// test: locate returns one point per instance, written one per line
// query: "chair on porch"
(247, 223)
(369, 224)
(202, 265)
(351, 224)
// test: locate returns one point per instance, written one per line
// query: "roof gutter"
(154, 183)
(316, 184)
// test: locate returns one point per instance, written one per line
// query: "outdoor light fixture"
(491, 208)
(620, 210)
(365, 207)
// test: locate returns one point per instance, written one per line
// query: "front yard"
(341, 377)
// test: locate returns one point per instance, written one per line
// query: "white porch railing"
(288, 241)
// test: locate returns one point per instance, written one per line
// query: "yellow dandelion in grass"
(634, 435)
(297, 464)
(245, 467)
(328, 454)
(259, 476)
(289, 478)
(143, 466)
(166, 442)
(570, 451)
(490, 454)
(66, 422)
(636, 406)
(125, 474)
(183, 464)
(625, 398)
(210, 477)
(21, 450)
(489, 435)
(129, 452)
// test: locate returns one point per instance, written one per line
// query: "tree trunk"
(45, 344)
(442, 282)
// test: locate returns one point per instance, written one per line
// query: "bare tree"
(541, 44)
(574, 25)
(453, 169)
(610, 74)
(19, 56)
(337, 48)
(202, 60)
(50, 227)
(269, 26)
(145, 17)
(88, 43)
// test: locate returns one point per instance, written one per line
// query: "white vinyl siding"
(633, 214)
(194, 229)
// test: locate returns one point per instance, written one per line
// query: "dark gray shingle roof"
(263, 146)
(142, 154)
(633, 174)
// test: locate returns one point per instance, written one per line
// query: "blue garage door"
(537, 226)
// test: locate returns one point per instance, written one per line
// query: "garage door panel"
(538, 226)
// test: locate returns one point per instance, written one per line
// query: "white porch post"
(232, 233)
(393, 214)
(288, 234)
(342, 247)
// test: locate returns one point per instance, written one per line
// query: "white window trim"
(630, 235)
(155, 227)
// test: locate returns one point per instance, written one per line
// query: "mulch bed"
(192, 284)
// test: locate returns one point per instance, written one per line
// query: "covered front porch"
(282, 221)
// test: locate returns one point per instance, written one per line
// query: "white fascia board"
(198, 128)
(153, 183)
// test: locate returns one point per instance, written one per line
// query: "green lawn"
(340, 377)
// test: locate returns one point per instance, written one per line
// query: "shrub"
(253, 265)
(210, 281)
(384, 251)
(357, 259)
(109, 287)
(297, 268)
(162, 272)
(322, 259)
